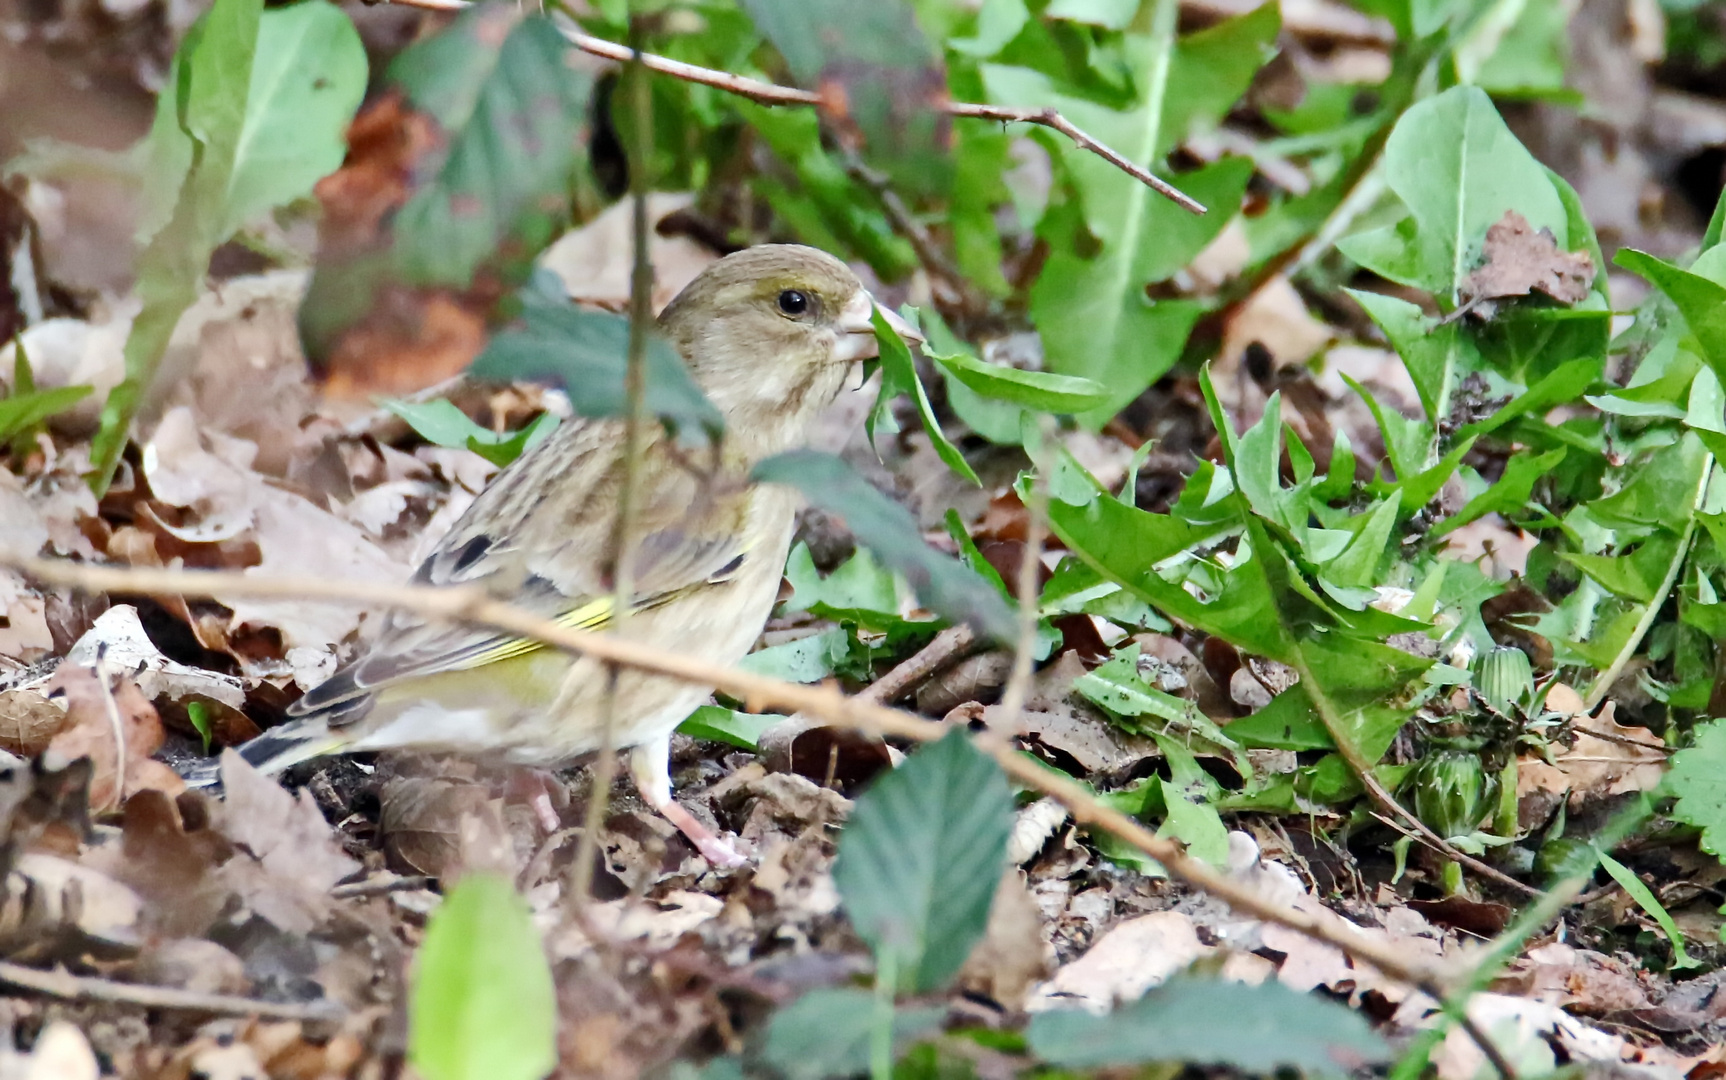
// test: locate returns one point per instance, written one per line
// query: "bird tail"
(275, 750)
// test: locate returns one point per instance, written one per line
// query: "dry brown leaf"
(168, 854)
(28, 722)
(102, 720)
(1130, 959)
(1627, 759)
(594, 261)
(1013, 953)
(1517, 260)
(288, 859)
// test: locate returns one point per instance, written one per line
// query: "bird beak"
(857, 329)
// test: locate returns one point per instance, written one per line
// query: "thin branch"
(1028, 588)
(471, 604)
(622, 545)
(767, 93)
(68, 987)
(948, 646)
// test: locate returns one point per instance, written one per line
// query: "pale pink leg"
(649, 765)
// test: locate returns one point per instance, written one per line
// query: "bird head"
(769, 334)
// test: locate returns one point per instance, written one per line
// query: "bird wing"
(539, 535)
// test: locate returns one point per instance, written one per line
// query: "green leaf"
(1700, 300)
(878, 75)
(483, 1006)
(806, 660)
(899, 376)
(586, 353)
(921, 856)
(1255, 1029)
(826, 1033)
(945, 585)
(1092, 312)
(1041, 390)
(1697, 778)
(511, 118)
(1457, 167)
(440, 423)
(724, 725)
(307, 78)
(1508, 495)
(1194, 824)
(1646, 900)
(214, 66)
(1437, 357)
(21, 412)
(857, 586)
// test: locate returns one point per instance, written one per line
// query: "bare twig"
(946, 647)
(767, 93)
(473, 605)
(634, 431)
(1028, 589)
(69, 987)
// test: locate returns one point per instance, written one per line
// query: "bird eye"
(793, 302)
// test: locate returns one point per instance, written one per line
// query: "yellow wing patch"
(593, 615)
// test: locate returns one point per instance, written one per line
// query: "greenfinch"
(769, 335)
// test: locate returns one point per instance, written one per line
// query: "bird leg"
(649, 764)
(535, 787)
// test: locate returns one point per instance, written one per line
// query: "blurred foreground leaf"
(483, 1005)
(253, 117)
(949, 588)
(585, 352)
(1256, 1029)
(880, 78)
(487, 121)
(921, 856)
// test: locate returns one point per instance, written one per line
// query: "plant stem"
(622, 541)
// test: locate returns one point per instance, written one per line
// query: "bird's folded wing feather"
(546, 552)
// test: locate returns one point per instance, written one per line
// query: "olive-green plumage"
(769, 335)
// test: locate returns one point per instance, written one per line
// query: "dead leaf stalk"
(473, 605)
(69, 987)
(634, 431)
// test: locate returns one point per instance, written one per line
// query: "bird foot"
(713, 847)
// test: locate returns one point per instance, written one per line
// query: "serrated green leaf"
(899, 376)
(826, 1033)
(1508, 495)
(483, 1006)
(1255, 1029)
(921, 856)
(1092, 312)
(1194, 824)
(1042, 390)
(1697, 778)
(511, 115)
(586, 353)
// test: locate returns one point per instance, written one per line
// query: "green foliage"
(886, 528)
(1255, 1029)
(442, 424)
(483, 1003)
(511, 112)
(1092, 309)
(740, 729)
(1697, 779)
(254, 117)
(585, 352)
(921, 856)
